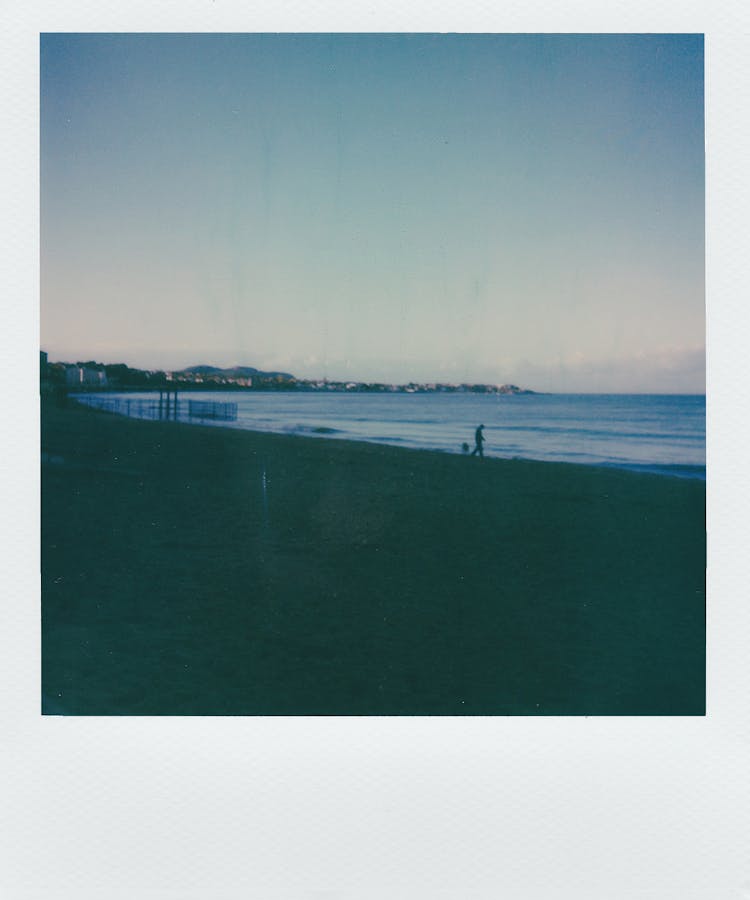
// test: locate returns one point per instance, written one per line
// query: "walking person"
(478, 440)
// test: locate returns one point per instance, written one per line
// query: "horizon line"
(326, 378)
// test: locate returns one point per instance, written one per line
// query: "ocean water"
(664, 434)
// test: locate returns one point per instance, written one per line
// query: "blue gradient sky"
(378, 207)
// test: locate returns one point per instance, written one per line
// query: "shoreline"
(691, 471)
(218, 571)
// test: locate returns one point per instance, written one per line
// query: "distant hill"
(199, 370)
(233, 372)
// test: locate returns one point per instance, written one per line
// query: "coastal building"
(76, 376)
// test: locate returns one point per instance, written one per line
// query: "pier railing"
(207, 409)
(165, 406)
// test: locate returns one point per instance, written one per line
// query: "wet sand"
(192, 570)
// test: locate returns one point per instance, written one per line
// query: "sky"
(375, 207)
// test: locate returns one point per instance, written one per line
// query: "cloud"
(667, 370)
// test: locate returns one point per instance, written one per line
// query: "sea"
(662, 434)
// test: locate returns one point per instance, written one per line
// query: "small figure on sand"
(478, 440)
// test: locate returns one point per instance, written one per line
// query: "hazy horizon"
(523, 209)
(239, 365)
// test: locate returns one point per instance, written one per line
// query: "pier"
(168, 407)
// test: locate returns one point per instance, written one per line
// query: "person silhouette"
(478, 440)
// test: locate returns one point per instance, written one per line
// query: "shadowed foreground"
(367, 580)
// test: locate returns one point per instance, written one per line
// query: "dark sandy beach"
(367, 580)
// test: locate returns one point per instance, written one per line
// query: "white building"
(75, 376)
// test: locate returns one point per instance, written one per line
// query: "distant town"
(95, 376)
